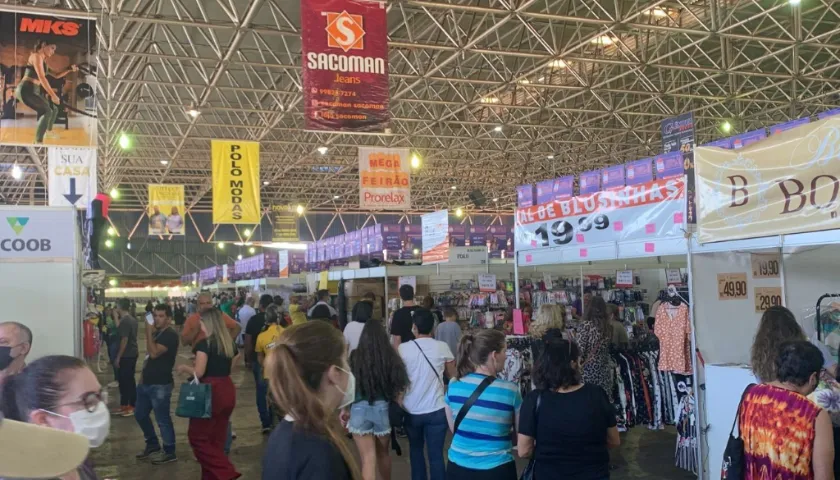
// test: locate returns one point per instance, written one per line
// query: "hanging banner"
(748, 138)
(789, 183)
(72, 176)
(545, 191)
(236, 181)
(590, 182)
(721, 143)
(669, 165)
(345, 65)
(384, 179)
(435, 237)
(638, 172)
(678, 139)
(783, 127)
(285, 224)
(166, 205)
(612, 177)
(828, 113)
(525, 195)
(639, 212)
(52, 72)
(283, 264)
(564, 188)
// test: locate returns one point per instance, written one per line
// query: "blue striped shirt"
(483, 440)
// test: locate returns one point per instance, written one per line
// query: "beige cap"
(32, 451)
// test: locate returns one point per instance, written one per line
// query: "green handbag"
(195, 400)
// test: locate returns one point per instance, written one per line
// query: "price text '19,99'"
(563, 232)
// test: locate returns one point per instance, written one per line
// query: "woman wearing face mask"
(59, 392)
(310, 380)
(481, 446)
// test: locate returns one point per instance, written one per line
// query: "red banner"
(345, 65)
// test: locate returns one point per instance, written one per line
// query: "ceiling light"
(252, 250)
(300, 209)
(266, 182)
(459, 212)
(164, 162)
(603, 40)
(323, 150)
(497, 128)
(490, 100)
(112, 282)
(453, 187)
(239, 257)
(557, 64)
(193, 112)
(657, 12)
(415, 161)
(17, 172)
(524, 81)
(541, 79)
(115, 194)
(794, 2)
(247, 232)
(221, 245)
(286, 245)
(336, 197)
(128, 246)
(496, 199)
(416, 251)
(111, 231)
(124, 141)
(726, 127)
(551, 157)
(109, 243)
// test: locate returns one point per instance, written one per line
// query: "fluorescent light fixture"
(164, 162)
(266, 182)
(496, 199)
(453, 187)
(524, 81)
(193, 112)
(336, 197)
(551, 157)
(657, 12)
(323, 150)
(490, 99)
(497, 128)
(17, 172)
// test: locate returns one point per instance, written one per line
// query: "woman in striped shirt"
(481, 446)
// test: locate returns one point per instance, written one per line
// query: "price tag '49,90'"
(732, 286)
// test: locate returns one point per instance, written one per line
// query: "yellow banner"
(788, 183)
(166, 210)
(236, 181)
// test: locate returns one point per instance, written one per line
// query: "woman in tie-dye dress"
(786, 436)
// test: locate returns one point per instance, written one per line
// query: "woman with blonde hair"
(548, 316)
(310, 380)
(213, 360)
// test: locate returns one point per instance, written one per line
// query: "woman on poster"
(34, 88)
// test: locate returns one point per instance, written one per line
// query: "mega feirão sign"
(236, 175)
(384, 179)
(787, 183)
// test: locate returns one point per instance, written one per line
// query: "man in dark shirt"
(126, 360)
(402, 322)
(155, 390)
(252, 331)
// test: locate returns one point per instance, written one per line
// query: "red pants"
(207, 436)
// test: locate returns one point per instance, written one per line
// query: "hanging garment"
(673, 329)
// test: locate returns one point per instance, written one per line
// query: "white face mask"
(350, 392)
(94, 425)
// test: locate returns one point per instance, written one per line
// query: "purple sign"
(612, 177)
(721, 143)
(545, 191)
(525, 196)
(829, 113)
(669, 165)
(457, 235)
(782, 127)
(497, 240)
(478, 235)
(590, 182)
(564, 187)
(412, 240)
(640, 171)
(297, 262)
(678, 133)
(748, 138)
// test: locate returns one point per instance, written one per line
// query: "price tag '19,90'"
(766, 297)
(765, 265)
(732, 286)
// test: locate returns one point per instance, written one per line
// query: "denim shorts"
(367, 419)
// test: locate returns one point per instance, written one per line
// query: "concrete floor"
(644, 453)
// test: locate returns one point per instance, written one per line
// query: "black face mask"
(6, 357)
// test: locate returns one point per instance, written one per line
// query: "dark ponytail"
(554, 369)
(38, 386)
(475, 348)
(39, 44)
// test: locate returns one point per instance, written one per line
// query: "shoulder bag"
(434, 370)
(733, 456)
(528, 473)
(470, 401)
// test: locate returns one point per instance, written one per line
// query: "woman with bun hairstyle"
(310, 380)
(481, 446)
(59, 392)
(576, 420)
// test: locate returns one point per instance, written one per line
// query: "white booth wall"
(42, 287)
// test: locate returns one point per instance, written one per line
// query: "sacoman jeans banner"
(236, 181)
(345, 65)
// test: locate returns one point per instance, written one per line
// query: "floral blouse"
(827, 396)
